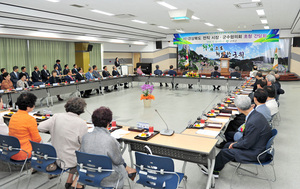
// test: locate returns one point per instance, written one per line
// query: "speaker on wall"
(90, 47)
(296, 42)
(158, 45)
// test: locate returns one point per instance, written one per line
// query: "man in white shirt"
(271, 103)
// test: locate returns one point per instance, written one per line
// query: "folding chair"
(92, 169)
(43, 155)
(157, 172)
(10, 146)
(270, 161)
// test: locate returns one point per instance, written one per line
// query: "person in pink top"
(139, 70)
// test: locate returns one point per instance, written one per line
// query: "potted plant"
(147, 94)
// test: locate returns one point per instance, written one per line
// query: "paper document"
(224, 114)
(119, 133)
(208, 132)
(218, 120)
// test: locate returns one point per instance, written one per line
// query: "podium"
(224, 64)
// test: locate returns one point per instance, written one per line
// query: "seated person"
(236, 73)
(95, 72)
(159, 72)
(57, 70)
(115, 72)
(6, 82)
(74, 70)
(3, 126)
(186, 70)
(139, 70)
(100, 142)
(55, 79)
(23, 126)
(258, 76)
(68, 77)
(66, 70)
(260, 84)
(22, 83)
(173, 73)
(271, 101)
(278, 87)
(253, 72)
(256, 135)
(3, 70)
(67, 130)
(45, 74)
(105, 73)
(28, 79)
(36, 77)
(260, 98)
(79, 76)
(216, 74)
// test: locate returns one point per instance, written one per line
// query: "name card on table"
(42, 86)
(1, 91)
(96, 79)
(115, 76)
(19, 89)
(203, 76)
(222, 77)
(153, 75)
(143, 74)
(122, 75)
(82, 81)
(55, 84)
(142, 125)
(233, 77)
(104, 77)
(72, 82)
(184, 75)
(167, 74)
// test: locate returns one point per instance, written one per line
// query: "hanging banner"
(254, 36)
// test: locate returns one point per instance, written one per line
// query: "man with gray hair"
(256, 134)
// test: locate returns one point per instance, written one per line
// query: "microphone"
(167, 131)
(203, 116)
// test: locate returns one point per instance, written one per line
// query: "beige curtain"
(95, 56)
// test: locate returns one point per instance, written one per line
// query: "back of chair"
(9, 146)
(42, 156)
(92, 169)
(154, 171)
(271, 150)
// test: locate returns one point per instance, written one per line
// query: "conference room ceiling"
(75, 18)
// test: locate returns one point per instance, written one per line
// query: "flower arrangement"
(147, 92)
(192, 74)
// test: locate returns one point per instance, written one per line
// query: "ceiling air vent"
(125, 16)
(77, 6)
(248, 5)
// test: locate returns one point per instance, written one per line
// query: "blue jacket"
(89, 76)
(158, 72)
(172, 72)
(255, 137)
(264, 110)
(215, 74)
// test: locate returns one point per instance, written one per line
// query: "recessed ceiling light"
(117, 41)
(209, 24)
(139, 21)
(195, 18)
(163, 27)
(102, 12)
(266, 27)
(162, 3)
(180, 31)
(264, 21)
(139, 43)
(260, 12)
(255, 0)
(54, 1)
(219, 29)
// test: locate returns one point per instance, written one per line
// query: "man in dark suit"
(14, 76)
(258, 76)
(66, 70)
(79, 76)
(235, 73)
(105, 73)
(36, 77)
(216, 74)
(68, 77)
(173, 73)
(115, 72)
(58, 65)
(224, 55)
(74, 70)
(55, 79)
(255, 137)
(45, 73)
(159, 72)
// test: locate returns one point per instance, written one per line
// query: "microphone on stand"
(167, 131)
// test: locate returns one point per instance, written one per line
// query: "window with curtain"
(95, 56)
(47, 52)
(13, 52)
